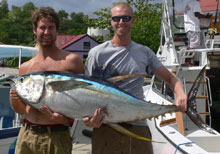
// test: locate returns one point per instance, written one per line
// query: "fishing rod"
(213, 30)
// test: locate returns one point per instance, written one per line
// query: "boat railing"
(189, 53)
(209, 99)
(199, 50)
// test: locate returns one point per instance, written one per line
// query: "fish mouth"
(12, 84)
(7, 79)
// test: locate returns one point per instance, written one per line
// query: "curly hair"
(45, 12)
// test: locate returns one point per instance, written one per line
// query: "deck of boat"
(8, 71)
(81, 143)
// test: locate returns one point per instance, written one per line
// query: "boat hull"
(195, 141)
(7, 139)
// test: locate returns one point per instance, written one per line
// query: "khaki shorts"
(30, 142)
(106, 140)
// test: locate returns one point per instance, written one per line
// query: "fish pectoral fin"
(127, 132)
(119, 78)
(65, 85)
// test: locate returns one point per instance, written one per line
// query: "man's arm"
(199, 15)
(15, 101)
(175, 84)
(76, 64)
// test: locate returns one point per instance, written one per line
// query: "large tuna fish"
(77, 96)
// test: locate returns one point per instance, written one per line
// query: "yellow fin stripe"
(128, 133)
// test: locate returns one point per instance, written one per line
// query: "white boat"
(179, 133)
(9, 120)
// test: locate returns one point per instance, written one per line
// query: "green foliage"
(16, 26)
(103, 20)
(62, 15)
(147, 25)
(75, 24)
(13, 62)
(3, 9)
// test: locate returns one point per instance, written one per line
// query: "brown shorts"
(50, 142)
(106, 140)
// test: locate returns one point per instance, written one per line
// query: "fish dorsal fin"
(65, 85)
(119, 78)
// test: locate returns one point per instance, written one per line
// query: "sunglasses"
(124, 18)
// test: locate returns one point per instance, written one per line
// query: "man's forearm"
(178, 88)
(199, 15)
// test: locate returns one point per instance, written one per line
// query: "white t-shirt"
(191, 22)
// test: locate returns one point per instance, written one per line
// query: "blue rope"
(177, 147)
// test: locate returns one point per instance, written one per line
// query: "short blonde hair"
(123, 5)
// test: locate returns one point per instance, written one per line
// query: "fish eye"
(21, 80)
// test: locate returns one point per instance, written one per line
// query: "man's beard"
(47, 44)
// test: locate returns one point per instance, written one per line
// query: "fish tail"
(128, 133)
(191, 104)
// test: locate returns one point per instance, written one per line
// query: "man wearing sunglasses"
(119, 56)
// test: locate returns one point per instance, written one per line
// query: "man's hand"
(181, 102)
(53, 116)
(13, 96)
(208, 15)
(96, 120)
(16, 102)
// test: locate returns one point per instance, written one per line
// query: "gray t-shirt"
(107, 60)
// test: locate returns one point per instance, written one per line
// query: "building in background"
(79, 44)
(98, 32)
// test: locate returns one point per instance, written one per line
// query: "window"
(162, 88)
(84, 58)
(86, 45)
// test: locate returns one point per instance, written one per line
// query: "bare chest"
(48, 66)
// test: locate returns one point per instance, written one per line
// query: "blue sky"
(85, 6)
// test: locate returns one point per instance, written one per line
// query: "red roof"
(209, 5)
(64, 40)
